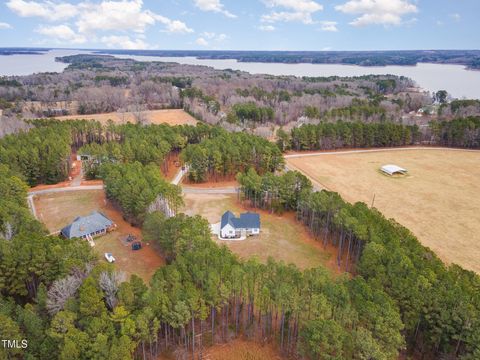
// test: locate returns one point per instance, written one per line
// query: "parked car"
(109, 257)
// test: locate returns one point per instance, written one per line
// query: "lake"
(458, 81)
(27, 64)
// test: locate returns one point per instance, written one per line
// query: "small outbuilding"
(393, 170)
(235, 227)
(90, 226)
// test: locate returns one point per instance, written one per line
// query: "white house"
(233, 227)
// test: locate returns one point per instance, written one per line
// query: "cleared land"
(438, 200)
(169, 116)
(57, 210)
(242, 350)
(281, 237)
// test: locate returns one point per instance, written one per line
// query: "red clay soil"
(74, 171)
(237, 349)
(148, 255)
(241, 350)
(75, 167)
(211, 184)
(91, 182)
(173, 166)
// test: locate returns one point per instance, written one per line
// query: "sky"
(241, 24)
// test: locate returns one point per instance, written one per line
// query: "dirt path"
(355, 151)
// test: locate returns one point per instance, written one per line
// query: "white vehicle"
(109, 257)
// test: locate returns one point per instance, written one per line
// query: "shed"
(393, 169)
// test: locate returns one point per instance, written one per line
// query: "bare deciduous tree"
(109, 282)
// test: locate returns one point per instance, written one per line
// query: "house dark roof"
(85, 225)
(245, 221)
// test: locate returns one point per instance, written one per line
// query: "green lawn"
(282, 237)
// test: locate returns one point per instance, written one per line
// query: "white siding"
(227, 231)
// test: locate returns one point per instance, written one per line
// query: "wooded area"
(329, 136)
(439, 305)
(227, 154)
(55, 293)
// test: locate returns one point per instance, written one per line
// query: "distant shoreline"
(469, 58)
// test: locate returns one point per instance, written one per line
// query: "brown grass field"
(168, 116)
(438, 200)
(281, 237)
(57, 210)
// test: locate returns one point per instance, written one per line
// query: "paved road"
(181, 173)
(229, 190)
(31, 206)
(63, 189)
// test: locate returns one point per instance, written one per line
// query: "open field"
(57, 210)
(169, 116)
(438, 200)
(281, 237)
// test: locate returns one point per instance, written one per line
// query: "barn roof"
(85, 225)
(393, 169)
(247, 220)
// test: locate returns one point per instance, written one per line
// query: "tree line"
(227, 154)
(461, 132)
(41, 155)
(439, 305)
(135, 187)
(55, 293)
(207, 295)
(328, 136)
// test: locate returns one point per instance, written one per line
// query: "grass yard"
(168, 116)
(57, 210)
(439, 199)
(281, 237)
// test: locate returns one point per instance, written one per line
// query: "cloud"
(291, 11)
(123, 15)
(4, 25)
(201, 41)
(328, 26)
(174, 26)
(213, 6)
(456, 16)
(210, 38)
(286, 16)
(123, 42)
(109, 17)
(61, 34)
(267, 27)
(51, 11)
(307, 6)
(380, 12)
